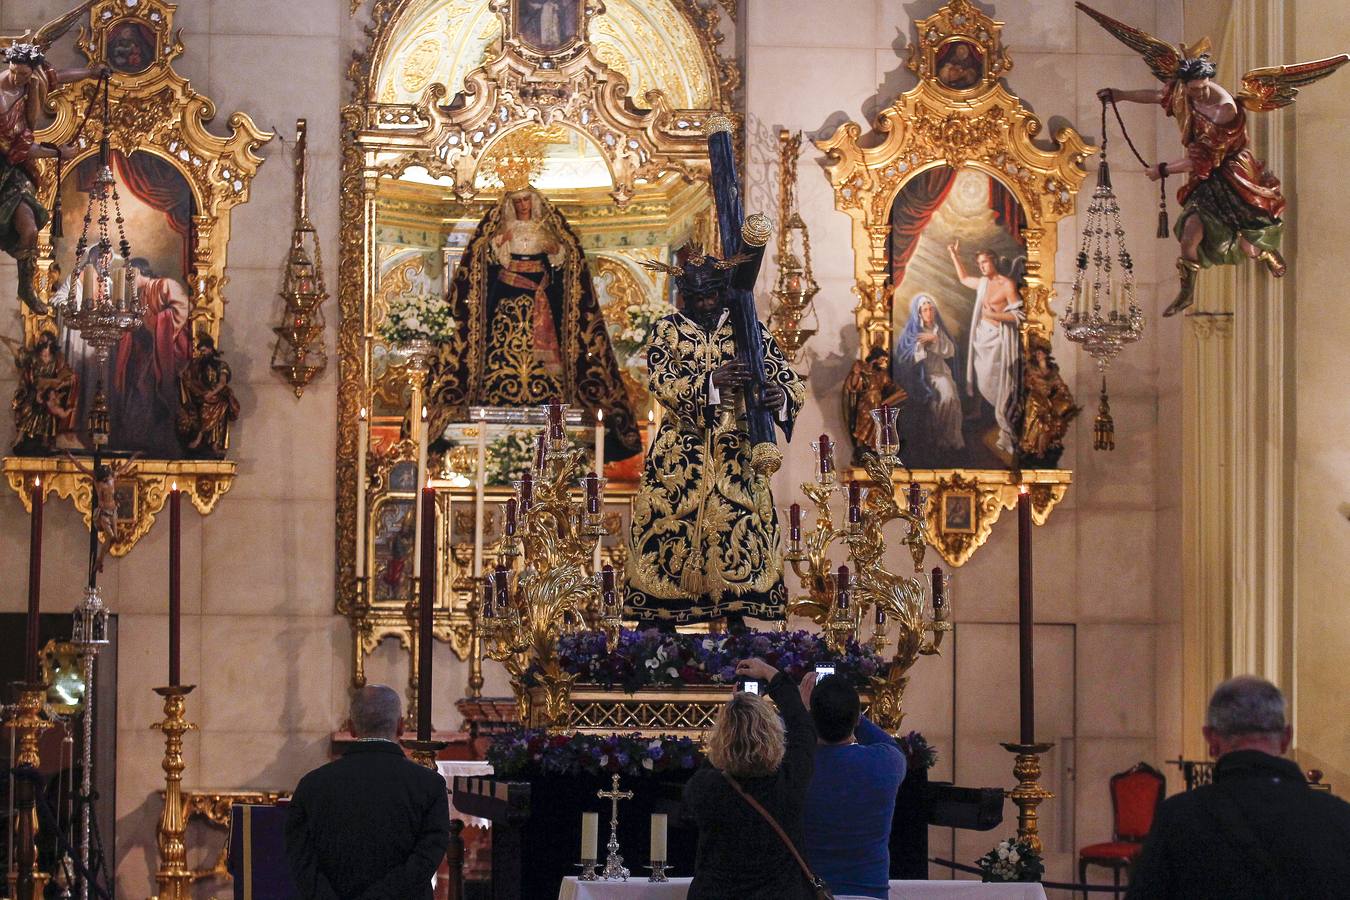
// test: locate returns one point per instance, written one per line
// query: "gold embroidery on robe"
(704, 536)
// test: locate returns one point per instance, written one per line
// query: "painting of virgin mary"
(547, 24)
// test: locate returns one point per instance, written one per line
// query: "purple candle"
(855, 502)
(592, 493)
(842, 587)
(826, 454)
(795, 523)
(511, 517)
(915, 500)
(526, 492)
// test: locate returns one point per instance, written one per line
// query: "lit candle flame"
(651, 416)
(424, 412)
(174, 487)
(599, 416)
(362, 414)
(37, 481)
(1024, 489)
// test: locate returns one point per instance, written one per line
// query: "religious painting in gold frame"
(421, 116)
(962, 127)
(157, 118)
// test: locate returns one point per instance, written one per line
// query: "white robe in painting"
(946, 403)
(991, 365)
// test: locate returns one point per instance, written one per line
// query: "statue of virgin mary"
(528, 326)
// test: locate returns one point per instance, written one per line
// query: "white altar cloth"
(451, 769)
(639, 888)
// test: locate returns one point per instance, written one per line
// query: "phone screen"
(751, 687)
(823, 672)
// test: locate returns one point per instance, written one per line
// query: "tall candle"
(540, 450)
(30, 644)
(842, 587)
(600, 442)
(175, 594)
(659, 823)
(421, 483)
(1025, 620)
(855, 502)
(795, 524)
(479, 498)
(939, 592)
(425, 609)
(89, 285)
(511, 517)
(362, 451)
(590, 836)
(489, 602)
(826, 454)
(556, 435)
(650, 436)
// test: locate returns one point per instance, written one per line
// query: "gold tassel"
(1103, 427)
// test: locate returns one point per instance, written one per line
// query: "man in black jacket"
(372, 825)
(1258, 831)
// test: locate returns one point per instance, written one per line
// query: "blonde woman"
(769, 756)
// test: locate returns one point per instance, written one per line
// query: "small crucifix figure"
(614, 869)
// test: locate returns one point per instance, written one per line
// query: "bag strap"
(777, 829)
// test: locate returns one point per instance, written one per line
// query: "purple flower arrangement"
(919, 754)
(651, 658)
(534, 752)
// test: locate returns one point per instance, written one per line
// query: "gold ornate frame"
(447, 132)
(984, 127)
(154, 111)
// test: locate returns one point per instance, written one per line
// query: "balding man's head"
(376, 712)
(1247, 713)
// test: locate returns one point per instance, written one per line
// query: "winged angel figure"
(1231, 204)
(24, 85)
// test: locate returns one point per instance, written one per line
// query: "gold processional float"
(543, 589)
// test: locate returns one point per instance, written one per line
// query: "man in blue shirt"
(852, 794)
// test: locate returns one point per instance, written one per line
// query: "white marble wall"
(261, 639)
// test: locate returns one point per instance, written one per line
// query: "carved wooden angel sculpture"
(1231, 203)
(23, 95)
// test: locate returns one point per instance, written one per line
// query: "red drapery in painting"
(1007, 211)
(921, 196)
(155, 183)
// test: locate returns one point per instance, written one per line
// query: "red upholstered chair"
(1135, 795)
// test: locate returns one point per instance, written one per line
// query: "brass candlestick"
(27, 722)
(1028, 794)
(424, 753)
(173, 877)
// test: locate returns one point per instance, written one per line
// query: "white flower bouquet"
(1014, 859)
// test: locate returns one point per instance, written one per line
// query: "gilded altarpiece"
(187, 179)
(955, 159)
(614, 109)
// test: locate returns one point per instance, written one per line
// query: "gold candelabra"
(542, 588)
(795, 287)
(1029, 793)
(841, 601)
(174, 876)
(27, 720)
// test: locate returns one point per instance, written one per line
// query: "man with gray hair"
(1258, 831)
(371, 825)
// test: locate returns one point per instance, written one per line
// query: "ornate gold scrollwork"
(974, 122)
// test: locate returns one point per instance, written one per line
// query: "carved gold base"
(424, 753)
(1028, 794)
(173, 877)
(203, 481)
(27, 723)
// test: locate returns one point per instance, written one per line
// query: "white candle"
(599, 471)
(651, 430)
(362, 449)
(658, 837)
(590, 835)
(89, 284)
(421, 426)
(119, 283)
(480, 489)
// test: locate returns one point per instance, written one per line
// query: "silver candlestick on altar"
(658, 868)
(614, 869)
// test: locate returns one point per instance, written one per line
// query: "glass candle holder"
(887, 419)
(824, 448)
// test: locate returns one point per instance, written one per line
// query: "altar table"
(452, 768)
(639, 888)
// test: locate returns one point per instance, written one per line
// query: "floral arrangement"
(532, 752)
(919, 754)
(630, 336)
(651, 658)
(1013, 859)
(511, 455)
(417, 317)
